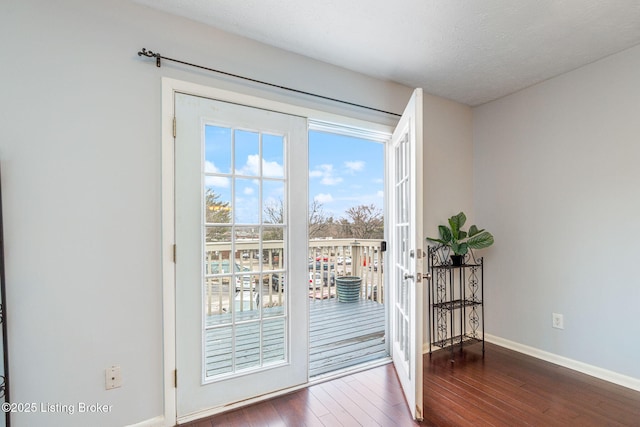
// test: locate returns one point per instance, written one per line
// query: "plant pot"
(457, 260)
(348, 288)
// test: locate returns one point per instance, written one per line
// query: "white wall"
(448, 162)
(80, 155)
(448, 170)
(556, 181)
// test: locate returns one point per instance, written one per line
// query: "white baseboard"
(594, 371)
(153, 422)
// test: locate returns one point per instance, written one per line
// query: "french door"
(241, 323)
(406, 238)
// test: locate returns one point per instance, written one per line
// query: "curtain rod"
(159, 58)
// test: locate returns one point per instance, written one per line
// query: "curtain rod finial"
(150, 54)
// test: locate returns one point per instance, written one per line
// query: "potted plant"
(461, 241)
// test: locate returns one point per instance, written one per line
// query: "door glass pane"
(219, 344)
(273, 264)
(244, 233)
(217, 149)
(273, 343)
(275, 294)
(217, 298)
(273, 200)
(273, 155)
(247, 349)
(247, 201)
(273, 248)
(217, 203)
(247, 153)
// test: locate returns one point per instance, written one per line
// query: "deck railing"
(348, 257)
(233, 281)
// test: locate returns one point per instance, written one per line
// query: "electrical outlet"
(558, 321)
(112, 377)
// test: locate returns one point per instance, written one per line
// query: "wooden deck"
(345, 334)
(340, 334)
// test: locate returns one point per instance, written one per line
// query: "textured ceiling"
(471, 51)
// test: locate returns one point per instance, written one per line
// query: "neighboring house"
(551, 170)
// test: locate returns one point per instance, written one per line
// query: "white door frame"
(169, 88)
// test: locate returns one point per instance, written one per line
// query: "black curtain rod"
(150, 54)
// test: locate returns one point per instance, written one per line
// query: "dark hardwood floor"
(505, 388)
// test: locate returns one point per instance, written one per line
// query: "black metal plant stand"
(455, 301)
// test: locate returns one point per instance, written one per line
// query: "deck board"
(340, 335)
(345, 334)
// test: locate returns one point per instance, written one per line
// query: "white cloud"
(210, 167)
(327, 174)
(331, 180)
(355, 166)
(380, 194)
(272, 169)
(214, 181)
(248, 191)
(323, 198)
(252, 167)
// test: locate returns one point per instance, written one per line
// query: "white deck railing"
(328, 259)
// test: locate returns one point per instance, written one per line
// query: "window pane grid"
(248, 311)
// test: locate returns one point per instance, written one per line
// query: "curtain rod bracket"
(150, 54)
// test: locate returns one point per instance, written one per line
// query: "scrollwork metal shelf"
(455, 301)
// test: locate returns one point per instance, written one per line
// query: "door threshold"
(348, 371)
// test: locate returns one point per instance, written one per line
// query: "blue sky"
(343, 171)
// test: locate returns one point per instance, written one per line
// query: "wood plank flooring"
(505, 388)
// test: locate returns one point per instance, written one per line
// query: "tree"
(318, 222)
(274, 214)
(364, 222)
(217, 212)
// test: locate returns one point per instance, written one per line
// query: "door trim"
(169, 88)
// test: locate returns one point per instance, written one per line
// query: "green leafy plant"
(461, 241)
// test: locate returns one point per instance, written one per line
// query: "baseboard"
(594, 371)
(153, 422)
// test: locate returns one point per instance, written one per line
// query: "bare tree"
(364, 222)
(274, 214)
(318, 223)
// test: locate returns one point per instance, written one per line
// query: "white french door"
(241, 323)
(406, 311)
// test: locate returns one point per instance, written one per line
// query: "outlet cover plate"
(558, 321)
(112, 377)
